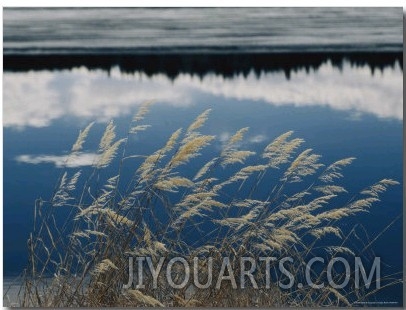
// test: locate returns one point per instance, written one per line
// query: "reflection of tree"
(225, 64)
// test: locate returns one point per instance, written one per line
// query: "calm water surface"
(249, 29)
(341, 111)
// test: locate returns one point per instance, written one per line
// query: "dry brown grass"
(83, 260)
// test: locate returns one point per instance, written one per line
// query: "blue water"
(339, 114)
(340, 110)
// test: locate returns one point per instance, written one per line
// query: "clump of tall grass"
(82, 260)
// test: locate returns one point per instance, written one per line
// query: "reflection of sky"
(37, 99)
(72, 161)
(43, 112)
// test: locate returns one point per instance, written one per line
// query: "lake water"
(209, 29)
(343, 105)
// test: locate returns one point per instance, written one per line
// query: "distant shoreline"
(223, 63)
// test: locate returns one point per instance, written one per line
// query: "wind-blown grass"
(83, 259)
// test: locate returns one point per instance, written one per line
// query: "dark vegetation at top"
(221, 63)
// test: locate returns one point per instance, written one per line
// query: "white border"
(202, 3)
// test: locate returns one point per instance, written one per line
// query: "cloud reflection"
(36, 99)
(72, 161)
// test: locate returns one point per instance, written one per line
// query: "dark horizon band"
(225, 63)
